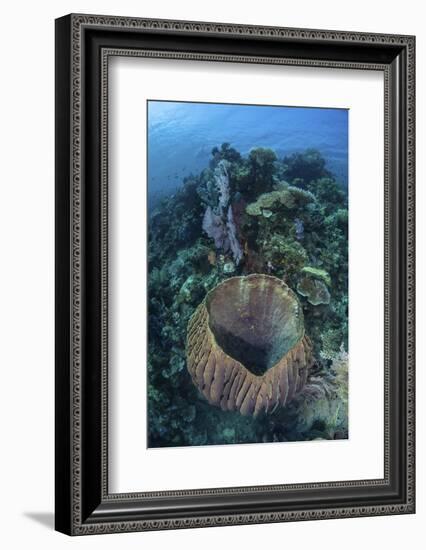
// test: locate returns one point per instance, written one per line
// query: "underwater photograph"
(247, 274)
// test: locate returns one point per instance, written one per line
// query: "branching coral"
(287, 256)
(323, 406)
(305, 166)
(332, 340)
(340, 367)
(261, 162)
(329, 192)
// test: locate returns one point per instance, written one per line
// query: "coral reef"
(285, 256)
(243, 215)
(246, 346)
(315, 291)
(316, 273)
(305, 167)
(287, 196)
(261, 163)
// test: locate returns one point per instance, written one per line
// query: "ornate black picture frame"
(84, 44)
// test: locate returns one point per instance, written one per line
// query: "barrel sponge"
(246, 345)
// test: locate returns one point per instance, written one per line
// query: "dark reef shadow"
(47, 519)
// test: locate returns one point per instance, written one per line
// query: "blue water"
(181, 136)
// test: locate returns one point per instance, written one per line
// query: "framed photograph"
(234, 274)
